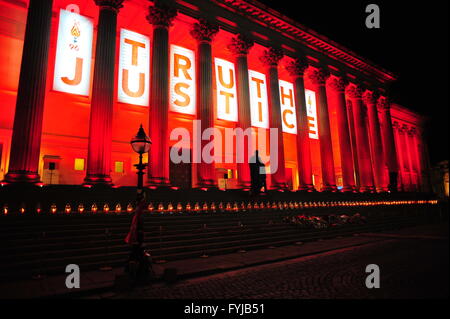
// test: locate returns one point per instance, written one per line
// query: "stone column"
(370, 99)
(351, 125)
(297, 69)
(100, 125)
(410, 147)
(27, 129)
(337, 85)
(203, 31)
(271, 58)
(399, 143)
(318, 78)
(362, 139)
(389, 150)
(240, 46)
(414, 144)
(407, 156)
(161, 17)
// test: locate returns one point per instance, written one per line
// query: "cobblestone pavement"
(410, 268)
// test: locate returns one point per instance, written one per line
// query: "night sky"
(412, 43)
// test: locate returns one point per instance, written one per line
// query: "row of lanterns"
(228, 207)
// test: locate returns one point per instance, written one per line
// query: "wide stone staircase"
(44, 244)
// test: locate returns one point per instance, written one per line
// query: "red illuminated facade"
(67, 118)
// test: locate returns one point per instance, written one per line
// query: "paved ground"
(413, 264)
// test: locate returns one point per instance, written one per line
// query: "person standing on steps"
(257, 174)
(139, 264)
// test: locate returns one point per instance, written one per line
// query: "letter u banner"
(73, 54)
(134, 69)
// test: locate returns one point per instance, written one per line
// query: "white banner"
(259, 106)
(287, 100)
(311, 112)
(73, 54)
(134, 68)
(227, 106)
(182, 80)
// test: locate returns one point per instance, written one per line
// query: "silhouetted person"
(257, 174)
(135, 238)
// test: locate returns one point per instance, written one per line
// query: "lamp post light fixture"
(140, 144)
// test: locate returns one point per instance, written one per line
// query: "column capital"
(161, 15)
(272, 57)
(297, 67)
(114, 5)
(354, 91)
(337, 83)
(317, 76)
(204, 31)
(396, 125)
(370, 97)
(383, 104)
(412, 131)
(240, 45)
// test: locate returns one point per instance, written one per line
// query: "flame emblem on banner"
(75, 31)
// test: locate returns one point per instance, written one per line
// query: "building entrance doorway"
(180, 174)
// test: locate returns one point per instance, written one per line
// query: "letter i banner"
(73, 54)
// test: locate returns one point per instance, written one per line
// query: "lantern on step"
(221, 206)
(129, 208)
(242, 207)
(179, 208)
(80, 208)
(5, 209)
(249, 206)
(235, 207)
(118, 208)
(38, 208)
(53, 209)
(213, 207)
(106, 208)
(170, 208)
(94, 208)
(188, 207)
(197, 207)
(67, 209)
(160, 208)
(205, 207)
(150, 207)
(22, 208)
(228, 207)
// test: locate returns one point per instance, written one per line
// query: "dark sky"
(412, 43)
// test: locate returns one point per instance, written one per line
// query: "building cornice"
(260, 13)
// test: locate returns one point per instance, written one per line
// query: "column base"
(206, 185)
(306, 189)
(158, 182)
(246, 185)
(22, 177)
(329, 188)
(367, 189)
(279, 187)
(348, 189)
(98, 180)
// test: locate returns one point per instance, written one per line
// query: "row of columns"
(412, 163)
(369, 145)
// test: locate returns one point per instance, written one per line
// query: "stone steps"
(182, 237)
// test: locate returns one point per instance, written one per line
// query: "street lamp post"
(140, 144)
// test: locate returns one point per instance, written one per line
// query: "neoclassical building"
(78, 78)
